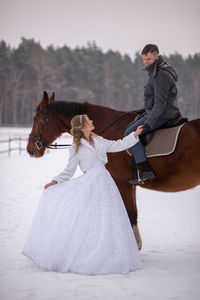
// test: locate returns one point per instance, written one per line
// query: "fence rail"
(10, 149)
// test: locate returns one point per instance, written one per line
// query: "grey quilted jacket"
(160, 92)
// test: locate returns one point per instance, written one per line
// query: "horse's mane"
(73, 108)
(69, 109)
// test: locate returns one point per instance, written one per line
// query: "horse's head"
(42, 133)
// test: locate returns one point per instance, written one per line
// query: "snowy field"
(169, 225)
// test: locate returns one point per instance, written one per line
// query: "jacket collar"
(160, 64)
(153, 68)
(85, 143)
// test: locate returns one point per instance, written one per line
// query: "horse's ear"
(52, 98)
(45, 101)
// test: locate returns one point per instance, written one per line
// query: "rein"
(39, 144)
(113, 122)
(139, 113)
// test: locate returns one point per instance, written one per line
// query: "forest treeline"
(84, 74)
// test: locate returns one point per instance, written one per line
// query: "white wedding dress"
(81, 226)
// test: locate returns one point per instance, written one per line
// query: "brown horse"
(175, 172)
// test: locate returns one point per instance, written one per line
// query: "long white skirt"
(82, 226)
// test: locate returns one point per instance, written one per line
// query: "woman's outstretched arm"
(123, 144)
(68, 172)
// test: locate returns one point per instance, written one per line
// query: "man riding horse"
(160, 101)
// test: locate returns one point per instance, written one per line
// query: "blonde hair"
(77, 124)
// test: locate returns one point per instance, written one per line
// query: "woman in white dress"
(81, 225)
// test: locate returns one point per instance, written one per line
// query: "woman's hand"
(138, 130)
(50, 183)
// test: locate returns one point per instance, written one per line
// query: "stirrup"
(137, 180)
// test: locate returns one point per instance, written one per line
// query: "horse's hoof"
(139, 244)
(137, 236)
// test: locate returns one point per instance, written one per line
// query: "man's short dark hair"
(150, 48)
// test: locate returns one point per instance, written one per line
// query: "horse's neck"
(102, 116)
(60, 124)
(105, 116)
(61, 113)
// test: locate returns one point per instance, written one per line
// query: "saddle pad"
(163, 142)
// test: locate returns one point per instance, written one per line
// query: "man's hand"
(146, 128)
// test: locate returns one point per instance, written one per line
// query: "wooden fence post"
(9, 147)
(20, 145)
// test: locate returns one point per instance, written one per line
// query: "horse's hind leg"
(128, 193)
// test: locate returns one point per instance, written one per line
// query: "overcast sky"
(121, 25)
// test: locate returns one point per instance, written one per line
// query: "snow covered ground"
(168, 223)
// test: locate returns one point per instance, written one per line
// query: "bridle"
(38, 142)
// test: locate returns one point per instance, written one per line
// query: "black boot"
(146, 172)
(134, 172)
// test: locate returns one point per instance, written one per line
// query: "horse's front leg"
(128, 193)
